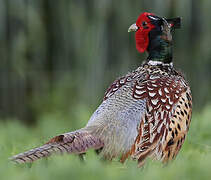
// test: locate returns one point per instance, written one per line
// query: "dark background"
(60, 56)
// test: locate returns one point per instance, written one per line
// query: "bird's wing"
(163, 95)
(178, 127)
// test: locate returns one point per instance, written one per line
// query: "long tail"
(74, 142)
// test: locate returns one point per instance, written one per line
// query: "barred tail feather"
(74, 142)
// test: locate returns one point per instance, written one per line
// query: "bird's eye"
(144, 23)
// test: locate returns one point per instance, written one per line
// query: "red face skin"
(144, 27)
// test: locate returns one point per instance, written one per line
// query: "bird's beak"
(133, 28)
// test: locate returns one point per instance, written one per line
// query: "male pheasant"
(145, 113)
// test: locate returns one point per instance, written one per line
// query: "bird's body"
(145, 113)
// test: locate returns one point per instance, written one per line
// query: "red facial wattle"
(142, 34)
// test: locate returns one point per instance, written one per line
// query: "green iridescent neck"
(160, 50)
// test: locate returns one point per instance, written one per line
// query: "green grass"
(193, 161)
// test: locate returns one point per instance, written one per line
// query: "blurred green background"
(58, 57)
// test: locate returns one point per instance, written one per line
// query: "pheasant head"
(154, 35)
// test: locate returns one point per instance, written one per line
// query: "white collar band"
(155, 63)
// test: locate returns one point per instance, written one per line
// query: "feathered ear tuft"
(174, 22)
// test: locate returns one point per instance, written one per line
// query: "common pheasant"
(145, 113)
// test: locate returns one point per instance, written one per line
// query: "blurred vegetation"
(56, 55)
(193, 161)
(58, 58)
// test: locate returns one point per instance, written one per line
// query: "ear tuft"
(175, 22)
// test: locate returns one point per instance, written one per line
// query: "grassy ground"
(193, 161)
